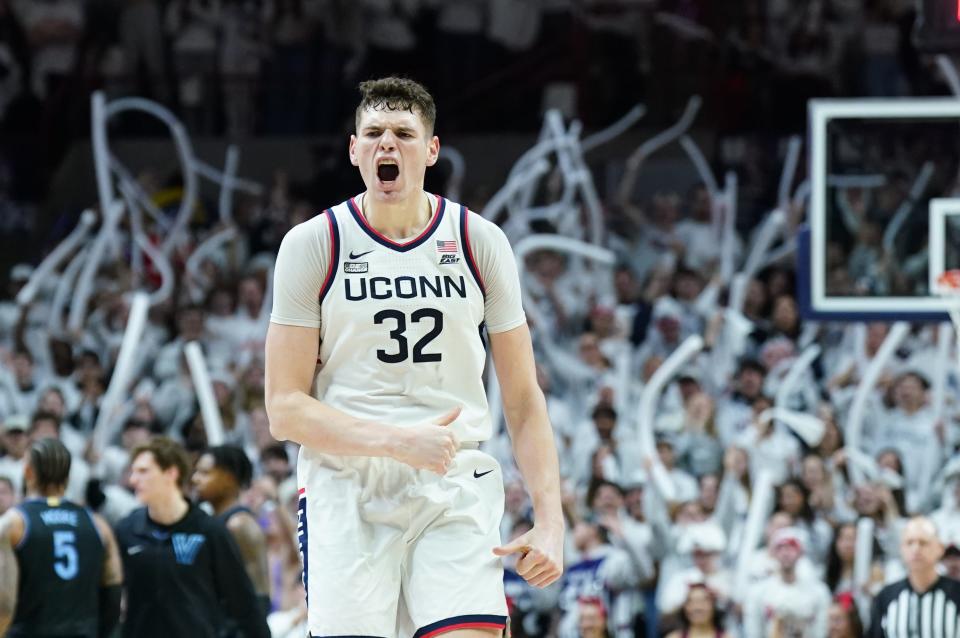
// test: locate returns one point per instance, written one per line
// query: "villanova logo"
(186, 546)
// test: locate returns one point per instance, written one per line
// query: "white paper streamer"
(78, 308)
(807, 426)
(209, 411)
(143, 200)
(616, 129)
(225, 203)
(858, 408)
(560, 244)
(770, 229)
(101, 152)
(900, 217)
(729, 239)
(949, 71)
(700, 163)
(514, 184)
(196, 281)
(938, 391)
(761, 499)
(8, 381)
(185, 154)
(779, 253)
(863, 564)
(576, 175)
(103, 431)
(458, 167)
(56, 256)
(800, 366)
(648, 409)
(666, 136)
(65, 285)
(789, 170)
(162, 264)
(214, 175)
(136, 228)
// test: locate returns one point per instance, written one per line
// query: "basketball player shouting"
(374, 360)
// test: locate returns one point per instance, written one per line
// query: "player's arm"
(234, 588)
(11, 531)
(253, 550)
(111, 581)
(297, 416)
(523, 404)
(293, 341)
(533, 447)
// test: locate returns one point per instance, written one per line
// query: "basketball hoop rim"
(948, 284)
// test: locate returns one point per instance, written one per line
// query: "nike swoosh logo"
(359, 255)
(136, 549)
(475, 475)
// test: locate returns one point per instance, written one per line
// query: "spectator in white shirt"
(911, 429)
(793, 497)
(771, 447)
(698, 234)
(15, 443)
(705, 543)
(21, 392)
(786, 604)
(684, 486)
(735, 411)
(596, 569)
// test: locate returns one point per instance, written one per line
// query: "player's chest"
(434, 274)
(164, 551)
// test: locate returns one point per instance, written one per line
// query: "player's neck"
(168, 509)
(788, 574)
(222, 505)
(52, 492)
(398, 220)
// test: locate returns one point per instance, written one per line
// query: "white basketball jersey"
(402, 324)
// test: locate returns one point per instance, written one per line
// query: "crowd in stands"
(640, 562)
(282, 67)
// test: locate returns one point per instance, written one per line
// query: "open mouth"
(387, 171)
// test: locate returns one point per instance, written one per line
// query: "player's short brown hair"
(397, 94)
(166, 453)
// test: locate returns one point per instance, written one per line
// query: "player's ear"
(352, 151)
(433, 150)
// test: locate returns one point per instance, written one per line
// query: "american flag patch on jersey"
(446, 246)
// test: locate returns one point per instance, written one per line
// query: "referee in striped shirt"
(924, 604)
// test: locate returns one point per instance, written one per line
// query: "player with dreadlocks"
(60, 570)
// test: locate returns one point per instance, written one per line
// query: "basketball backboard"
(944, 237)
(875, 166)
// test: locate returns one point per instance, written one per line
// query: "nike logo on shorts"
(476, 475)
(136, 549)
(354, 255)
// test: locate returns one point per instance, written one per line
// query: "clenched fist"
(430, 446)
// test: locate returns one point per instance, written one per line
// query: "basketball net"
(948, 287)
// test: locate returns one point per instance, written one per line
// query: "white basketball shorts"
(389, 551)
